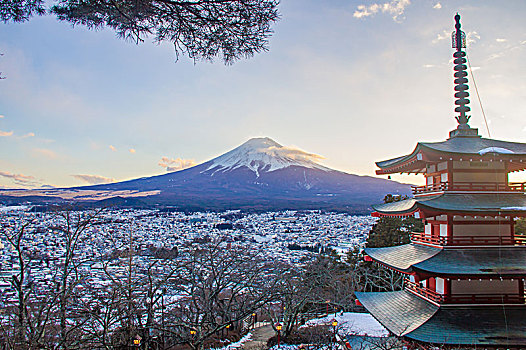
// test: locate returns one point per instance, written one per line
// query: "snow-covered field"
(13, 208)
(352, 323)
(237, 344)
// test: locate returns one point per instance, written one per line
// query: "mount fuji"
(260, 174)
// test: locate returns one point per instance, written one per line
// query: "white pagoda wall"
(484, 287)
(481, 230)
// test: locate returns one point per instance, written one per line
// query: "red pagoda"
(465, 273)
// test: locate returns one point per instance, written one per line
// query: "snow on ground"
(353, 323)
(307, 347)
(13, 208)
(237, 344)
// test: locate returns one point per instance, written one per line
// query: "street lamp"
(334, 324)
(137, 340)
(278, 328)
(254, 316)
(327, 302)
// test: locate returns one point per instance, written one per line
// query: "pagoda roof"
(468, 203)
(476, 262)
(490, 326)
(401, 312)
(455, 147)
(402, 257)
(406, 314)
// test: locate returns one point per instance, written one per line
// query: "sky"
(352, 81)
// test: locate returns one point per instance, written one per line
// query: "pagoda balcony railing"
(470, 186)
(509, 298)
(418, 237)
(479, 298)
(423, 291)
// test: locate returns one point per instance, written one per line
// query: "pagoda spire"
(458, 39)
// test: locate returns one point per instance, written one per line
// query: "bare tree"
(14, 235)
(28, 319)
(216, 287)
(45, 310)
(293, 295)
(71, 229)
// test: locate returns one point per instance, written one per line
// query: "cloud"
(93, 179)
(429, 66)
(29, 134)
(2, 116)
(293, 153)
(112, 148)
(395, 8)
(20, 179)
(6, 133)
(176, 164)
(496, 55)
(46, 153)
(441, 36)
(501, 40)
(437, 6)
(132, 150)
(472, 37)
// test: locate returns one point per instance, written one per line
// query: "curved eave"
(474, 326)
(476, 263)
(402, 257)
(407, 163)
(401, 208)
(513, 204)
(400, 312)
(405, 314)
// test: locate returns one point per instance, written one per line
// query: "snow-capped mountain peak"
(263, 154)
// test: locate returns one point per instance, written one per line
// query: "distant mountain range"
(258, 175)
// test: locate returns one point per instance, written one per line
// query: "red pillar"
(449, 227)
(431, 284)
(521, 290)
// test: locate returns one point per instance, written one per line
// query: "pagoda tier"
(466, 203)
(408, 315)
(465, 274)
(492, 275)
(436, 157)
(463, 219)
(424, 261)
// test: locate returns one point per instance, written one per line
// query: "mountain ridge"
(259, 173)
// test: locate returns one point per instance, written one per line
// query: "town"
(287, 236)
